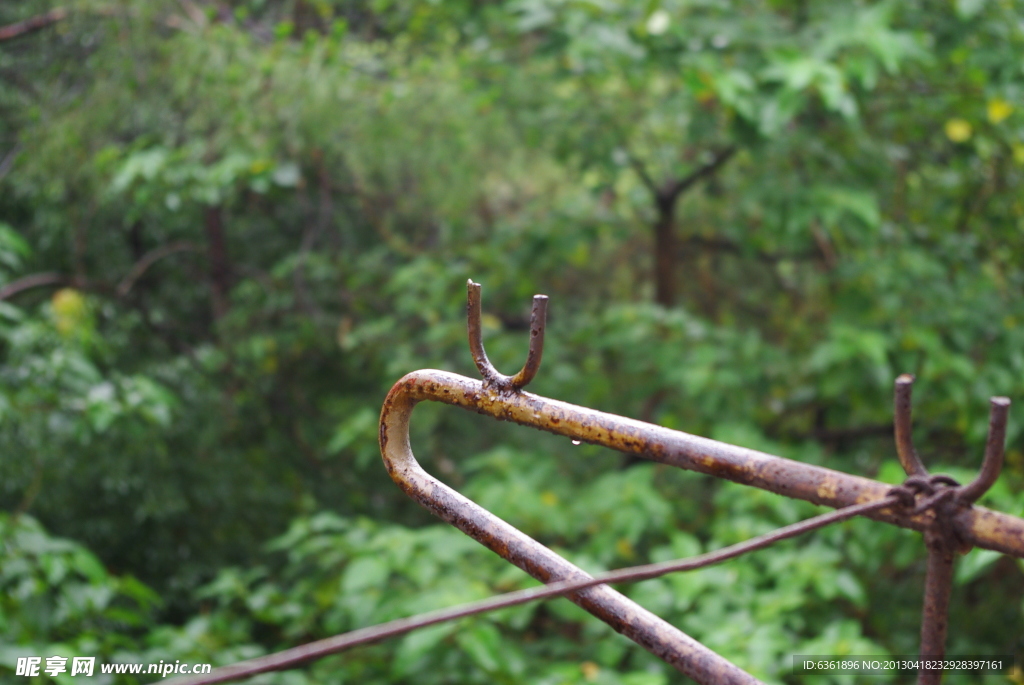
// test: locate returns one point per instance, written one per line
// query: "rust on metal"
(502, 395)
(651, 632)
(902, 426)
(338, 643)
(938, 583)
(538, 318)
(977, 526)
(948, 501)
(938, 494)
(944, 511)
(994, 446)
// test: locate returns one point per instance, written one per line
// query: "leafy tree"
(227, 228)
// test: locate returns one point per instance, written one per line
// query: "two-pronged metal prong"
(538, 317)
(911, 462)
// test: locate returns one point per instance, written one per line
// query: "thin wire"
(362, 636)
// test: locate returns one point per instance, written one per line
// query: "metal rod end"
(476, 343)
(992, 464)
(538, 322)
(905, 450)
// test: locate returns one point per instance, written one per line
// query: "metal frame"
(934, 505)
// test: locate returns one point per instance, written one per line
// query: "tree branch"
(33, 281)
(138, 269)
(148, 260)
(673, 189)
(641, 171)
(32, 24)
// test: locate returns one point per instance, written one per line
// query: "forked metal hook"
(992, 463)
(945, 498)
(939, 511)
(538, 318)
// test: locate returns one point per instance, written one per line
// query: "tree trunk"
(665, 252)
(666, 197)
(220, 266)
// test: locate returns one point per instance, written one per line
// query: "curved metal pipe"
(502, 397)
(646, 629)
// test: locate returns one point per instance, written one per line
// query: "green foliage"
(226, 229)
(57, 598)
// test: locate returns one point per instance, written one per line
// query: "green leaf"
(89, 566)
(483, 643)
(144, 165)
(849, 587)
(361, 425)
(365, 572)
(966, 9)
(415, 645)
(13, 246)
(644, 678)
(974, 564)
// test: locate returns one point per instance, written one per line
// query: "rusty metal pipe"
(646, 629)
(946, 523)
(938, 584)
(976, 526)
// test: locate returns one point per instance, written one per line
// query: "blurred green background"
(228, 226)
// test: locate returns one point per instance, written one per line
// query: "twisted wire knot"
(936, 489)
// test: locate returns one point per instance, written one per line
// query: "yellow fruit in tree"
(998, 110)
(958, 130)
(69, 310)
